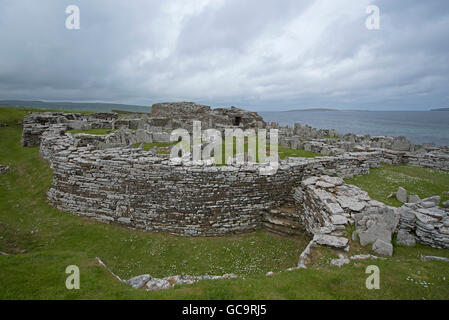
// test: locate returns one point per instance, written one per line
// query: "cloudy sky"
(256, 54)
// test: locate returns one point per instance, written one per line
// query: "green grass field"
(386, 180)
(41, 242)
(92, 131)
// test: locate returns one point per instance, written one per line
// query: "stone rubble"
(148, 282)
(424, 222)
(397, 150)
(342, 260)
(376, 226)
(433, 258)
(305, 254)
(364, 257)
(168, 282)
(326, 205)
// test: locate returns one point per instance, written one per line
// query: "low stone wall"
(426, 222)
(433, 160)
(34, 125)
(326, 204)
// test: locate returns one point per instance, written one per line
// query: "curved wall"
(135, 188)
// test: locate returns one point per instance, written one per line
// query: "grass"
(92, 131)
(42, 242)
(148, 146)
(296, 153)
(381, 182)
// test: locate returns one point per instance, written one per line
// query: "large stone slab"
(373, 233)
(401, 195)
(331, 241)
(383, 248)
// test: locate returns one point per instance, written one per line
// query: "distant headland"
(312, 109)
(321, 110)
(75, 106)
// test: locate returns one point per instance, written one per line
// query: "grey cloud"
(256, 54)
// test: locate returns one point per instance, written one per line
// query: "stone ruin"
(326, 206)
(330, 142)
(188, 111)
(106, 178)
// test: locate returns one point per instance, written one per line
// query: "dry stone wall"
(138, 189)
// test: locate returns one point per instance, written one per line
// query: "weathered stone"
(342, 260)
(309, 181)
(157, 284)
(425, 218)
(338, 220)
(383, 248)
(330, 241)
(407, 218)
(434, 212)
(323, 184)
(139, 281)
(405, 238)
(446, 204)
(363, 257)
(373, 233)
(303, 257)
(334, 208)
(427, 204)
(414, 198)
(351, 203)
(434, 199)
(391, 218)
(401, 195)
(434, 258)
(336, 181)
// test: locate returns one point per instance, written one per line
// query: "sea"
(417, 126)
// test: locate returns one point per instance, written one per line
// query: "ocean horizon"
(417, 126)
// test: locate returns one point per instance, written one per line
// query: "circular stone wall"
(135, 188)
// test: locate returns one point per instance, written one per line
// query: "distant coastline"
(440, 109)
(312, 109)
(418, 126)
(74, 106)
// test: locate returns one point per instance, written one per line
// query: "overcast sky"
(255, 54)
